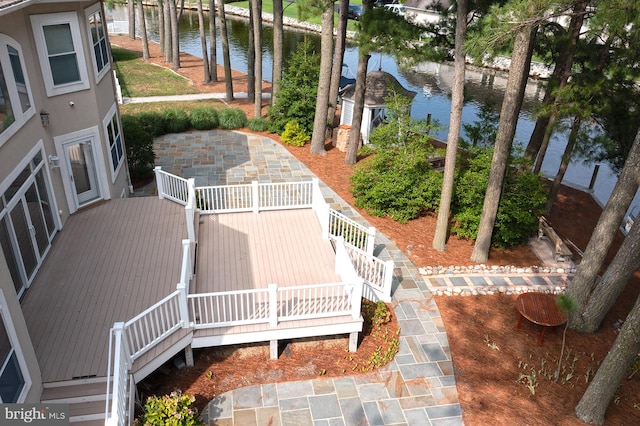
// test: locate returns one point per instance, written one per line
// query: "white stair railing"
(353, 233)
(376, 273)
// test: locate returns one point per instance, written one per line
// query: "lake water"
(431, 81)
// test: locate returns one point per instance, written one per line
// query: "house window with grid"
(114, 133)
(59, 46)
(15, 94)
(97, 30)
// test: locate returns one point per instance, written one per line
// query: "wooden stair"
(86, 399)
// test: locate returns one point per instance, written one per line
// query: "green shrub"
(171, 410)
(522, 201)
(139, 145)
(152, 122)
(398, 182)
(204, 118)
(258, 124)
(176, 120)
(232, 118)
(298, 90)
(294, 134)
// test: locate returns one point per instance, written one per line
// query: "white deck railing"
(353, 233)
(377, 274)
(120, 360)
(228, 308)
(171, 186)
(150, 327)
(254, 197)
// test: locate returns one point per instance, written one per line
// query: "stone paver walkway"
(417, 388)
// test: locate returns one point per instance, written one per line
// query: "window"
(13, 381)
(99, 40)
(60, 51)
(114, 133)
(15, 95)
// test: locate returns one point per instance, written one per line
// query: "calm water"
(431, 81)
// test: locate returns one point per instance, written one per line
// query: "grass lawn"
(132, 109)
(138, 79)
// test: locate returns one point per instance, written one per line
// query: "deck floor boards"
(114, 260)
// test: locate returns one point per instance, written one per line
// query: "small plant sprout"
(567, 305)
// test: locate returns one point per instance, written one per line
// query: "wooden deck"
(244, 251)
(113, 261)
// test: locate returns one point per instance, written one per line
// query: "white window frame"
(93, 134)
(113, 113)
(20, 117)
(15, 344)
(91, 11)
(38, 22)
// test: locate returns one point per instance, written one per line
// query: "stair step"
(87, 411)
(72, 393)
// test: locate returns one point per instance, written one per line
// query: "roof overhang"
(10, 6)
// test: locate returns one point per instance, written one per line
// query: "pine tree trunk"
(278, 46)
(597, 397)
(614, 281)
(161, 25)
(224, 35)
(168, 40)
(602, 237)
(338, 59)
(213, 54)
(358, 109)
(564, 162)
(322, 101)
(457, 101)
(559, 78)
(175, 37)
(251, 59)
(256, 5)
(131, 9)
(203, 43)
(513, 96)
(143, 31)
(544, 143)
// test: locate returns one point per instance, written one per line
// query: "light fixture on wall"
(54, 161)
(44, 118)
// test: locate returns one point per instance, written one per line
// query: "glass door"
(82, 172)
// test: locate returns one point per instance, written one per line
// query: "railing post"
(159, 184)
(387, 282)
(183, 307)
(371, 240)
(190, 209)
(325, 220)
(187, 263)
(255, 196)
(356, 298)
(273, 305)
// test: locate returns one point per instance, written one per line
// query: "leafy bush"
(232, 118)
(258, 124)
(294, 134)
(176, 120)
(298, 91)
(523, 199)
(204, 118)
(171, 410)
(139, 144)
(152, 122)
(398, 182)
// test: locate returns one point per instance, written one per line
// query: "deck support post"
(273, 349)
(353, 341)
(188, 356)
